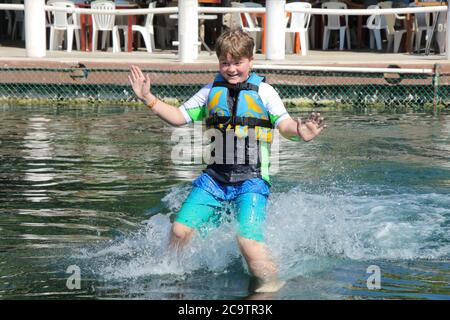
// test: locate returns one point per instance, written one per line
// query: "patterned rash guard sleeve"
(195, 108)
(272, 101)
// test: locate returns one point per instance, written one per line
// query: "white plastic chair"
(298, 23)
(105, 23)
(147, 31)
(251, 26)
(121, 22)
(394, 35)
(65, 22)
(10, 21)
(18, 20)
(421, 24)
(376, 23)
(166, 28)
(49, 14)
(334, 24)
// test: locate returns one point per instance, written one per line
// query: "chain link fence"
(303, 89)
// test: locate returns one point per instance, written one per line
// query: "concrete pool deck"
(14, 56)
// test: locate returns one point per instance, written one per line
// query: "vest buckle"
(233, 121)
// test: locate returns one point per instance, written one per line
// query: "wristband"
(152, 104)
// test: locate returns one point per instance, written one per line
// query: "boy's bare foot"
(270, 286)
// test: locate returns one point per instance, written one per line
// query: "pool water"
(96, 188)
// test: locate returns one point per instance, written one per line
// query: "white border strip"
(343, 69)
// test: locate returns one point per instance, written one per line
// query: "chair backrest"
(298, 19)
(150, 16)
(51, 2)
(60, 18)
(19, 14)
(251, 22)
(420, 19)
(49, 14)
(250, 4)
(376, 21)
(236, 17)
(8, 15)
(103, 21)
(385, 4)
(390, 18)
(334, 20)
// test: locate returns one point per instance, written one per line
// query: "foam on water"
(305, 232)
(145, 252)
(304, 227)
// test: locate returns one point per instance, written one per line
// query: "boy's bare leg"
(260, 264)
(180, 236)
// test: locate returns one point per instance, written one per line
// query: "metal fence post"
(436, 78)
(35, 42)
(447, 34)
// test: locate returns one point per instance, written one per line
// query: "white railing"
(347, 12)
(117, 12)
(191, 40)
(10, 6)
(170, 10)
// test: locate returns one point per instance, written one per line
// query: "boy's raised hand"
(312, 128)
(140, 83)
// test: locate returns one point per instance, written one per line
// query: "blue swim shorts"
(203, 207)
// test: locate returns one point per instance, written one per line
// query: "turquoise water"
(96, 188)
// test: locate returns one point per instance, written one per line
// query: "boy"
(241, 103)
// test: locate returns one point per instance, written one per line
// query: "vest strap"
(236, 87)
(238, 121)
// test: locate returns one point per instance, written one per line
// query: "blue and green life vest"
(238, 109)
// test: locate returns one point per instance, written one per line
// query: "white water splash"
(303, 227)
(304, 232)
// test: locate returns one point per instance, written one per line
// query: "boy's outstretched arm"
(141, 87)
(307, 131)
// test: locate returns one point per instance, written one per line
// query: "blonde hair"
(235, 42)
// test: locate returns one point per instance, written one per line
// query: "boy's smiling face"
(235, 70)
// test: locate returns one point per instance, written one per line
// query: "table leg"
(83, 31)
(408, 42)
(359, 30)
(130, 33)
(319, 34)
(90, 33)
(297, 43)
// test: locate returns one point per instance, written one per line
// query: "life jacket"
(238, 109)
